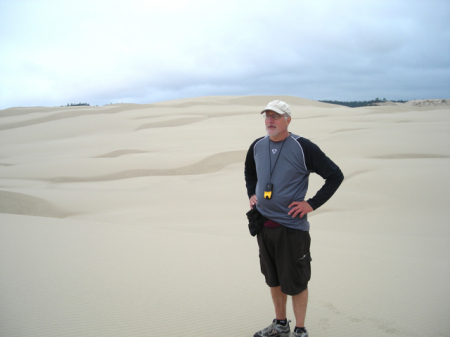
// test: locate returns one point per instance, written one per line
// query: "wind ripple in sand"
(211, 164)
(171, 123)
(23, 204)
(412, 156)
(347, 130)
(354, 174)
(118, 153)
(60, 115)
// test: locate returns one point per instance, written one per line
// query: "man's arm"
(251, 177)
(316, 161)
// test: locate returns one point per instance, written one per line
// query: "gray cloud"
(145, 51)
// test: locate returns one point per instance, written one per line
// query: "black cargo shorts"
(285, 258)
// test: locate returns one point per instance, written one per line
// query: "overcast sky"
(54, 52)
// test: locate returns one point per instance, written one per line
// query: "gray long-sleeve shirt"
(287, 165)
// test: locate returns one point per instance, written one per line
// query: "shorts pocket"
(304, 268)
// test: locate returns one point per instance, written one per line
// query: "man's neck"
(280, 137)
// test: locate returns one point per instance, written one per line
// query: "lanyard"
(276, 161)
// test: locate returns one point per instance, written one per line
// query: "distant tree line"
(78, 104)
(355, 104)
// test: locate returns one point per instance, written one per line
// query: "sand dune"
(418, 103)
(50, 117)
(118, 153)
(210, 164)
(429, 102)
(129, 220)
(22, 204)
(170, 123)
(412, 156)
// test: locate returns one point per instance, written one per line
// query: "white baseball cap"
(279, 107)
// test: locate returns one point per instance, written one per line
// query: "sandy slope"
(129, 220)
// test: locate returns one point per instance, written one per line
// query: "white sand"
(129, 220)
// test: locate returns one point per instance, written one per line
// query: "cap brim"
(280, 112)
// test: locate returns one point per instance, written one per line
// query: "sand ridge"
(210, 164)
(23, 204)
(118, 153)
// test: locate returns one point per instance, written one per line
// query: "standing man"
(277, 168)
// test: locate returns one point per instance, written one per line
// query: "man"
(277, 168)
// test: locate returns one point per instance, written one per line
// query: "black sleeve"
(316, 161)
(250, 171)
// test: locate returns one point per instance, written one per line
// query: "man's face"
(276, 124)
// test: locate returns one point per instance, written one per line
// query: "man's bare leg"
(279, 301)
(300, 302)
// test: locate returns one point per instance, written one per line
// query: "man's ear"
(288, 120)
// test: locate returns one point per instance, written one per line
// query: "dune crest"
(211, 164)
(429, 102)
(118, 153)
(412, 156)
(171, 123)
(23, 204)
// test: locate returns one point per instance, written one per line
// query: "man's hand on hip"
(299, 208)
(253, 201)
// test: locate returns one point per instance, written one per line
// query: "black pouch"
(304, 270)
(255, 221)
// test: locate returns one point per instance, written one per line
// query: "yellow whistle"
(267, 194)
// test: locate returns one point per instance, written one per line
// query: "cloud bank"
(102, 52)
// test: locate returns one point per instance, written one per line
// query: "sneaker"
(274, 330)
(299, 334)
